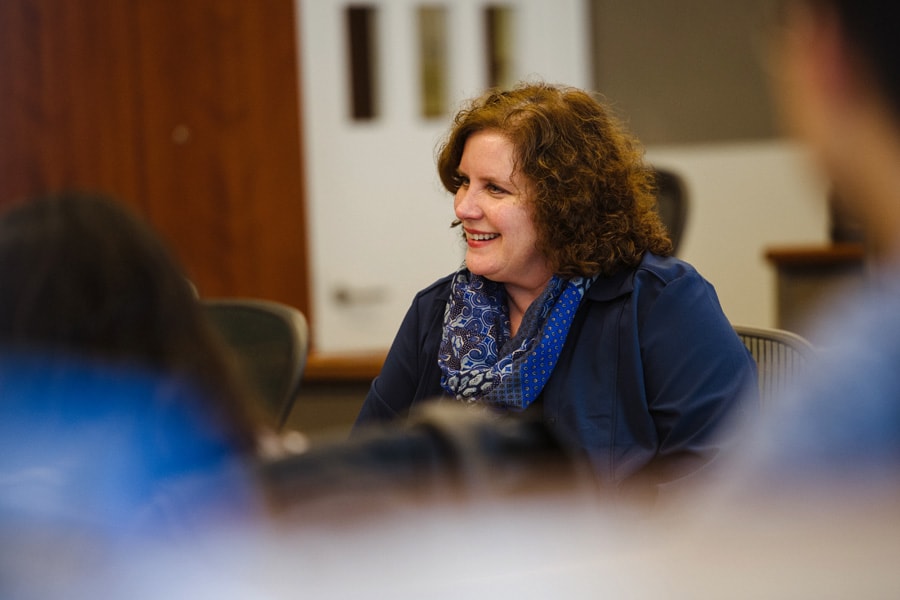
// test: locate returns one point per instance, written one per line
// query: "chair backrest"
(780, 356)
(672, 204)
(270, 341)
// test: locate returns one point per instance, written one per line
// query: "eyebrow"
(505, 182)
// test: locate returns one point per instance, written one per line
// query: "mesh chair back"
(780, 357)
(270, 341)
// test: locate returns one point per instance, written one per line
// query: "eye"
(461, 180)
(495, 189)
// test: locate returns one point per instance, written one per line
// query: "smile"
(482, 237)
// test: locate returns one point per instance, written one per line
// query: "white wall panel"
(378, 216)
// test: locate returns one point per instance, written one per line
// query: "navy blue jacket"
(649, 376)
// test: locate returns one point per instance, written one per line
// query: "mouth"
(481, 237)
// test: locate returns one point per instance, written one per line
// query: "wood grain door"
(187, 110)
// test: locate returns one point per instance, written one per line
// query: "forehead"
(489, 151)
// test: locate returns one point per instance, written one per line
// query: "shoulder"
(670, 286)
(663, 270)
(441, 288)
(435, 295)
(432, 300)
(654, 273)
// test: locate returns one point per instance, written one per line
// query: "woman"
(569, 305)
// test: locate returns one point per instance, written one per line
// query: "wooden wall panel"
(63, 121)
(186, 110)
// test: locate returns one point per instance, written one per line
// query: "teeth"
(483, 237)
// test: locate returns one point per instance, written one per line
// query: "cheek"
(525, 224)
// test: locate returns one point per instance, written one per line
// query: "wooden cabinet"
(188, 111)
(808, 275)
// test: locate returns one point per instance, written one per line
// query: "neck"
(519, 299)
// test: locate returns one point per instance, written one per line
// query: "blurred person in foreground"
(82, 276)
(569, 308)
(810, 508)
(837, 83)
(121, 419)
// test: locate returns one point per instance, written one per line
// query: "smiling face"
(492, 206)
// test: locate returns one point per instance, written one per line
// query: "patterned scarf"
(479, 360)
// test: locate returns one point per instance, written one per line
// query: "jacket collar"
(612, 286)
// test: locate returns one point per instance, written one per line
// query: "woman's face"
(492, 205)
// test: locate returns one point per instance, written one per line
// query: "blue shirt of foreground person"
(103, 467)
(114, 452)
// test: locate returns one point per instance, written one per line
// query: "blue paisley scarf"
(479, 360)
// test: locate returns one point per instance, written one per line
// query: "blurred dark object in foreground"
(446, 452)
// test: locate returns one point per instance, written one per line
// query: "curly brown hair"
(593, 200)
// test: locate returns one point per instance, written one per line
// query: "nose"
(465, 204)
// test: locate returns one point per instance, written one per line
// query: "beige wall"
(685, 71)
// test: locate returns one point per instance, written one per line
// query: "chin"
(475, 270)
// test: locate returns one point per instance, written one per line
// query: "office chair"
(780, 356)
(672, 204)
(270, 341)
